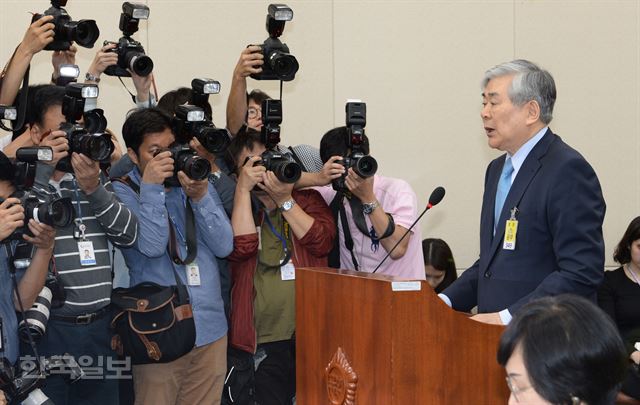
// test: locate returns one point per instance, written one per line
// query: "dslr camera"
(22, 384)
(130, 52)
(190, 122)
(187, 160)
(83, 32)
(88, 140)
(285, 168)
(279, 64)
(358, 159)
(58, 213)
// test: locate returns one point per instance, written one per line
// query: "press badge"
(87, 255)
(288, 272)
(510, 231)
(193, 274)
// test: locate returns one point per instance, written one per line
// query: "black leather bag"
(153, 323)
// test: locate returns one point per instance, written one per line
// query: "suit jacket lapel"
(527, 172)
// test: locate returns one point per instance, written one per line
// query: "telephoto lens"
(215, 140)
(36, 317)
(364, 165)
(98, 147)
(286, 170)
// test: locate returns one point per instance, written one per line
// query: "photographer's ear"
(133, 156)
(36, 133)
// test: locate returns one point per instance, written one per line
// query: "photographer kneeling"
(32, 280)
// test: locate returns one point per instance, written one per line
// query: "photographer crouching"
(31, 281)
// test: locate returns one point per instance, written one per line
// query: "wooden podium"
(360, 342)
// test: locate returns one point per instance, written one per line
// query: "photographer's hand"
(250, 62)
(277, 190)
(361, 188)
(194, 189)
(59, 58)
(11, 217)
(331, 170)
(87, 172)
(250, 175)
(142, 85)
(44, 236)
(204, 153)
(39, 34)
(58, 142)
(102, 60)
(158, 169)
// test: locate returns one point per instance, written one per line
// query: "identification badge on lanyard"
(510, 231)
(193, 274)
(288, 272)
(87, 255)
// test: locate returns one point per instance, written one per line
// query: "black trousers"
(276, 374)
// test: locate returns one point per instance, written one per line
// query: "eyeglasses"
(515, 390)
(253, 113)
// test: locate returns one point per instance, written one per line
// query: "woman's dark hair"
(142, 122)
(622, 253)
(246, 138)
(181, 96)
(438, 254)
(570, 348)
(335, 143)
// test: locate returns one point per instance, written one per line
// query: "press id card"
(193, 274)
(87, 255)
(510, 231)
(288, 272)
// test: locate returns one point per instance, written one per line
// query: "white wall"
(418, 65)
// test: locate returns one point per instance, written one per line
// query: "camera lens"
(286, 172)
(60, 213)
(35, 322)
(196, 167)
(96, 147)
(140, 63)
(366, 166)
(283, 64)
(86, 33)
(214, 140)
(95, 121)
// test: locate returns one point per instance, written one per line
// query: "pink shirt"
(398, 199)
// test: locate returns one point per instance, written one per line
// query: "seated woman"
(439, 266)
(562, 350)
(619, 296)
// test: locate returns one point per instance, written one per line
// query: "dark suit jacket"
(559, 246)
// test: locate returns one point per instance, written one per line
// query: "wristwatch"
(91, 78)
(287, 205)
(368, 208)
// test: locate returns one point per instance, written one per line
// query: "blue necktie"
(503, 189)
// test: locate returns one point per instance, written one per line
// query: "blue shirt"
(148, 260)
(7, 311)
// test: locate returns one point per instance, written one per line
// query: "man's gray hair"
(530, 82)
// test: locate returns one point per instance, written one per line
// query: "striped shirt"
(87, 288)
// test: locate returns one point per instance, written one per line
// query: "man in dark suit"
(542, 209)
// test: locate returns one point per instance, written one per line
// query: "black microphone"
(436, 196)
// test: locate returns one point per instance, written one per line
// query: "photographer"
(244, 110)
(295, 229)
(32, 280)
(386, 206)
(198, 376)
(81, 325)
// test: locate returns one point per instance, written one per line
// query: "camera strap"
(337, 208)
(192, 243)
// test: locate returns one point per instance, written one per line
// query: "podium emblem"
(342, 381)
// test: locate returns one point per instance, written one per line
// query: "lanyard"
(75, 188)
(80, 227)
(287, 255)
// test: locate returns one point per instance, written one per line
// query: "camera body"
(130, 56)
(58, 213)
(130, 52)
(187, 160)
(362, 164)
(279, 64)
(285, 169)
(83, 32)
(97, 146)
(22, 385)
(190, 122)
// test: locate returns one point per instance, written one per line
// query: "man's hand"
(331, 170)
(361, 188)
(250, 175)
(59, 58)
(44, 236)
(102, 60)
(277, 190)
(204, 153)
(11, 217)
(58, 142)
(250, 62)
(142, 85)
(158, 169)
(194, 189)
(39, 34)
(492, 318)
(87, 172)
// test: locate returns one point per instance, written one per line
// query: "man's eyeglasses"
(253, 113)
